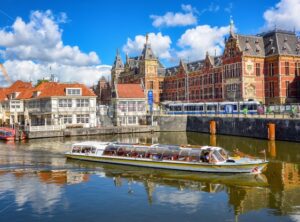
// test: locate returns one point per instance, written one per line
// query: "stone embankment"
(91, 131)
(284, 129)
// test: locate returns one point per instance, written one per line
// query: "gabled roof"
(130, 91)
(18, 86)
(277, 42)
(46, 89)
(52, 89)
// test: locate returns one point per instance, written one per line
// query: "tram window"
(234, 107)
(178, 108)
(93, 150)
(222, 107)
(252, 107)
(200, 108)
(211, 107)
(243, 106)
(175, 108)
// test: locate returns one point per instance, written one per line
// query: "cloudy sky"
(77, 40)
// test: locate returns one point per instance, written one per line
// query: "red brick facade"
(263, 67)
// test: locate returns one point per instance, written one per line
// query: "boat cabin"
(157, 152)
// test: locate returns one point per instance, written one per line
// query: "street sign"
(150, 99)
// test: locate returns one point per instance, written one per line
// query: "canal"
(38, 184)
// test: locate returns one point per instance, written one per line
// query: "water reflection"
(36, 174)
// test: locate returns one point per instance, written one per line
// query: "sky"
(77, 40)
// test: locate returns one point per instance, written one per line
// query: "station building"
(263, 67)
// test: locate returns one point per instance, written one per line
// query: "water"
(38, 184)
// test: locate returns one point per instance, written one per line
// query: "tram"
(251, 107)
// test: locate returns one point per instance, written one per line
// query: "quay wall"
(285, 129)
(90, 131)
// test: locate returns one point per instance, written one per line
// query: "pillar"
(212, 127)
(213, 140)
(271, 131)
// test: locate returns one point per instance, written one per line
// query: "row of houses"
(48, 103)
(67, 105)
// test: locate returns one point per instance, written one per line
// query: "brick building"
(103, 91)
(145, 69)
(263, 67)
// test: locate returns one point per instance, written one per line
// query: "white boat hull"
(225, 167)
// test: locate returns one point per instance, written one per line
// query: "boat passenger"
(205, 157)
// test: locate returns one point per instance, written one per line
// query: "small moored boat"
(187, 158)
(7, 133)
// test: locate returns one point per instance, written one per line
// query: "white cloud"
(196, 41)
(160, 45)
(30, 48)
(285, 15)
(31, 71)
(41, 39)
(171, 19)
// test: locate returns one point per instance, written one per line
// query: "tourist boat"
(187, 158)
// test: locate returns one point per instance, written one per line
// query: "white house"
(129, 104)
(49, 103)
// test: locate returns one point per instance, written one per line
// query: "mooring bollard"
(271, 131)
(212, 127)
(213, 140)
(272, 148)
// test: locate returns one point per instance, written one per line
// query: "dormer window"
(73, 91)
(14, 95)
(36, 93)
(273, 49)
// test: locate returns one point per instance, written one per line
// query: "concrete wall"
(91, 131)
(286, 129)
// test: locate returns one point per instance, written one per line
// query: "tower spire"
(231, 26)
(147, 38)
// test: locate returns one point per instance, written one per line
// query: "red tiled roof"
(130, 91)
(49, 89)
(3, 94)
(18, 86)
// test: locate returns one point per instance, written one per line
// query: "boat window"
(218, 157)
(93, 150)
(86, 149)
(76, 149)
(183, 155)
